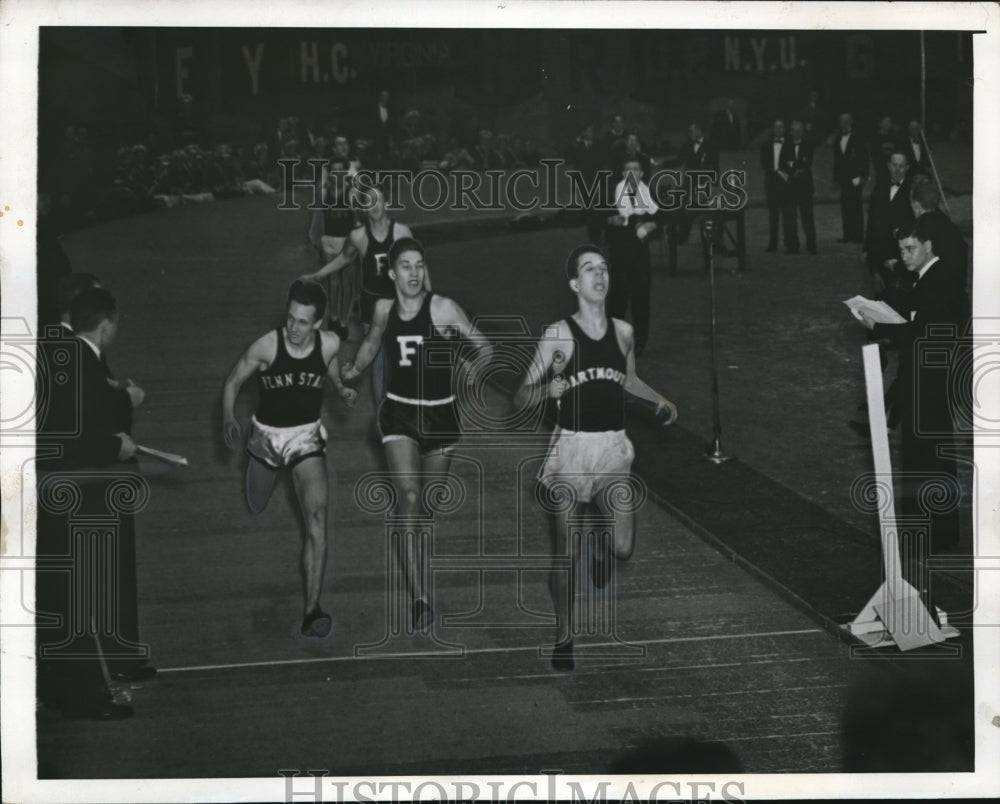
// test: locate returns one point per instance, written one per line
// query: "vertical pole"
(715, 453)
(923, 83)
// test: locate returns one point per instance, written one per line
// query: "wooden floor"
(698, 648)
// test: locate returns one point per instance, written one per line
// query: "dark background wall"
(125, 84)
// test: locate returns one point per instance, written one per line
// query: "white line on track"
(471, 651)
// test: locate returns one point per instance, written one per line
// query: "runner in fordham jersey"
(291, 363)
(372, 242)
(593, 359)
(418, 419)
(331, 226)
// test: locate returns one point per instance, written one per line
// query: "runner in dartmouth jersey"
(591, 360)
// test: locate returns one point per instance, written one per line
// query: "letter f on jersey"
(408, 348)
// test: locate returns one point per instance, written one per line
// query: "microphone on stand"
(558, 365)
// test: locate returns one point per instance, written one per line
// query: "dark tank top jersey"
(291, 390)
(418, 359)
(375, 281)
(338, 219)
(594, 401)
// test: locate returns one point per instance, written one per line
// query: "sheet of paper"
(878, 311)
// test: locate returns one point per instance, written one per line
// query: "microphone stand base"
(716, 454)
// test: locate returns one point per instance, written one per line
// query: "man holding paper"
(925, 389)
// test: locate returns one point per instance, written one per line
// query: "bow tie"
(896, 183)
(778, 141)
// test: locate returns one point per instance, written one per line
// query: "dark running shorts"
(433, 427)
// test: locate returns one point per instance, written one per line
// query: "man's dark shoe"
(316, 623)
(562, 656)
(423, 616)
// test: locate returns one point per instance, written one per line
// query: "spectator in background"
(383, 123)
(725, 131)
(487, 157)
(850, 172)
(915, 148)
(776, 189)
(889, 210)
(342, 150)
(797, 159)
(628, 241)
(882, 144)
(696, 154)
(508, 156)
(455, 156)
(813, 119)
(614, 143)
(633, 153)
(588, 161)
(949, 244)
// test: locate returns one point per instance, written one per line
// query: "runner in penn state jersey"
(291, 364)
(419, 333)
(591, 357)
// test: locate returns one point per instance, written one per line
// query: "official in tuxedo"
(915, 148)
(726, 128)
(797, 160)
(814, 119)
(926, 387)
(84, 435)
(888, 210)
(696, 154)
(850, 172)
(628, 243)
(776, 188)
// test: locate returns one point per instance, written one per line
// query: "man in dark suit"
(85, 427)
(588, 160)
(614, 143)
(925, 388)
(628, 241)
(696, 154)
(915, 148)
(949, 244)
(776, 187)
(382, 128)
(726, 128)
(813, 118)
(850, 172)
(880, 148)
(797, 159)
(888, 210)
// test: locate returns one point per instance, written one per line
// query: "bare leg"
(403, 458)
(260, 482)
(309, 477)
(624, 537)
(563, 587)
